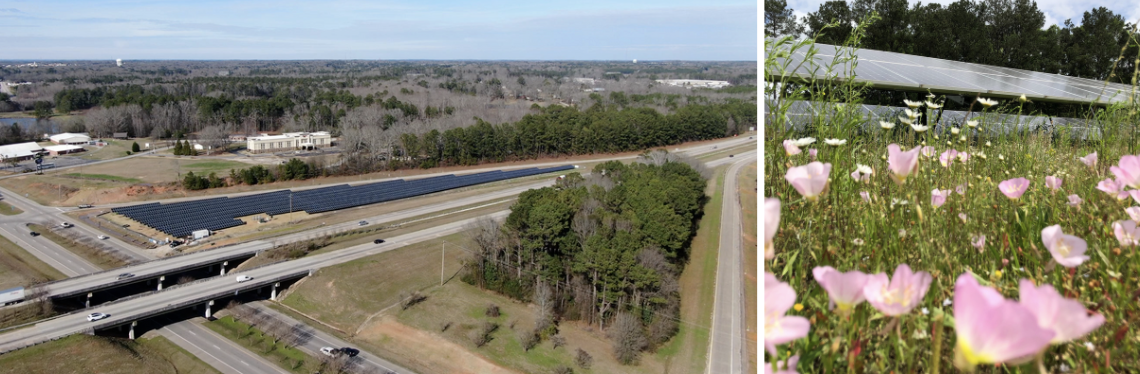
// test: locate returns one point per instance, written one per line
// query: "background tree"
(779, 20)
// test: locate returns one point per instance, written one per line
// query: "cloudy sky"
(1056, 11)
(385, 29)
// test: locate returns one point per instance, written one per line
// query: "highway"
(321, 339)
(726, 341)
(68, 263)
(216, 350)
(130, 309)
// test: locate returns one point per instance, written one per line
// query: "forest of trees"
(1008, 33)
(606, 249)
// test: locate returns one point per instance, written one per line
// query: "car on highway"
(85, 206)
(244, 278)
(350, 352)
(96, 316)
(35, 233)
(330, 351)
(126, 275)
(730, 155)
(362, 223)
(378, 241)
(101, 237)
(64, 225)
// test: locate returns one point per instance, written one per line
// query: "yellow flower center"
(799, 307)
(971, 358)
(1062, 248)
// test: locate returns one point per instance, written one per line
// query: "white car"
(101, 237)
(330, 351)
(243, 278)
(65, 225)
(362, 223)
(96, 316)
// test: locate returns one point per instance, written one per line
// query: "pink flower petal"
(992, 329)
(1067, 318)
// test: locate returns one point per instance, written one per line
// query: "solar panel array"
(802, 113)
(182, 218)
(897, 70)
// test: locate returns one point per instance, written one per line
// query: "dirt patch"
(445, 357)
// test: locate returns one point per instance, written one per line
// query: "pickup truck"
(85, 206)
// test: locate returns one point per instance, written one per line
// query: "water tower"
(118, 62)
(635, 60)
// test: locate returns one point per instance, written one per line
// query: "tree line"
(606, 249)
(1007, 33)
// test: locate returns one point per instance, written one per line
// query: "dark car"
(378, 241)
(730, 155)
(35, 233)
(350, 352)
(126, 275)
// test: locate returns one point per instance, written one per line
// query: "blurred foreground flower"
(791, 148)
(771, 224)
(928, 151)
(919, 128)
(1134, 213)
(1067, 250)
(803, 142)
(1074, 200)
(991, 329)
(812, 152)
(1067, 318)
(979, 242)
(962, 216)
(866, 196)
(835, 142)
(987, 102)
(1014, 188)
(809, 180)
(778, 328)
(902, 164)
(1126, 233)
(1089, 160)
(912, 104)
(899, 294)
(947, 158)
(1127, 171)
(972, 123)
(844, 289)
(1053, 183)
(1114, 188)
(938, 197)
(886, 125)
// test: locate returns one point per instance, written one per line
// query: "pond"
(27, 123)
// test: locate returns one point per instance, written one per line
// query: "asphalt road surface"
(726, 340)
(216, 350)
(321, 339)
(127, 310)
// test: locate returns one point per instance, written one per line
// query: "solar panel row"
(895, 70)
(181, 219)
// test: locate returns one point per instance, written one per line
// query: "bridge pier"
(224, 263)
(131, 334)
(160, 279)
(208, 305)
(87, 303)
(273, 291)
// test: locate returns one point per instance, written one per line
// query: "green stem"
(1041, 363)
(936, 357)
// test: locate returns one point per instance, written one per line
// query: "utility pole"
(442, 254)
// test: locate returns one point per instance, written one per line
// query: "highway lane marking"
(27, 245)
(200, 348)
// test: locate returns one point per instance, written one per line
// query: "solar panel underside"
(896, 70)
(821, 113)
(181, 219)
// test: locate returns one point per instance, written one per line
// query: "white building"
(69, 138)
(690, 83)
(288, 141)
(21, 151)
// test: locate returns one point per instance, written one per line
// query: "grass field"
(687, 352)
(9, 210)
(747, 187)
(19, 268)
(255, 341)
(95, 257)
(932, 221)
(113, 149)
(84, 354)
(113, 178)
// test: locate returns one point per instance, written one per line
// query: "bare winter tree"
(628, 338)
(214, 137)
(544, 300)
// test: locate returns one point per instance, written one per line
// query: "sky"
(695, 30)
(1056, 11)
